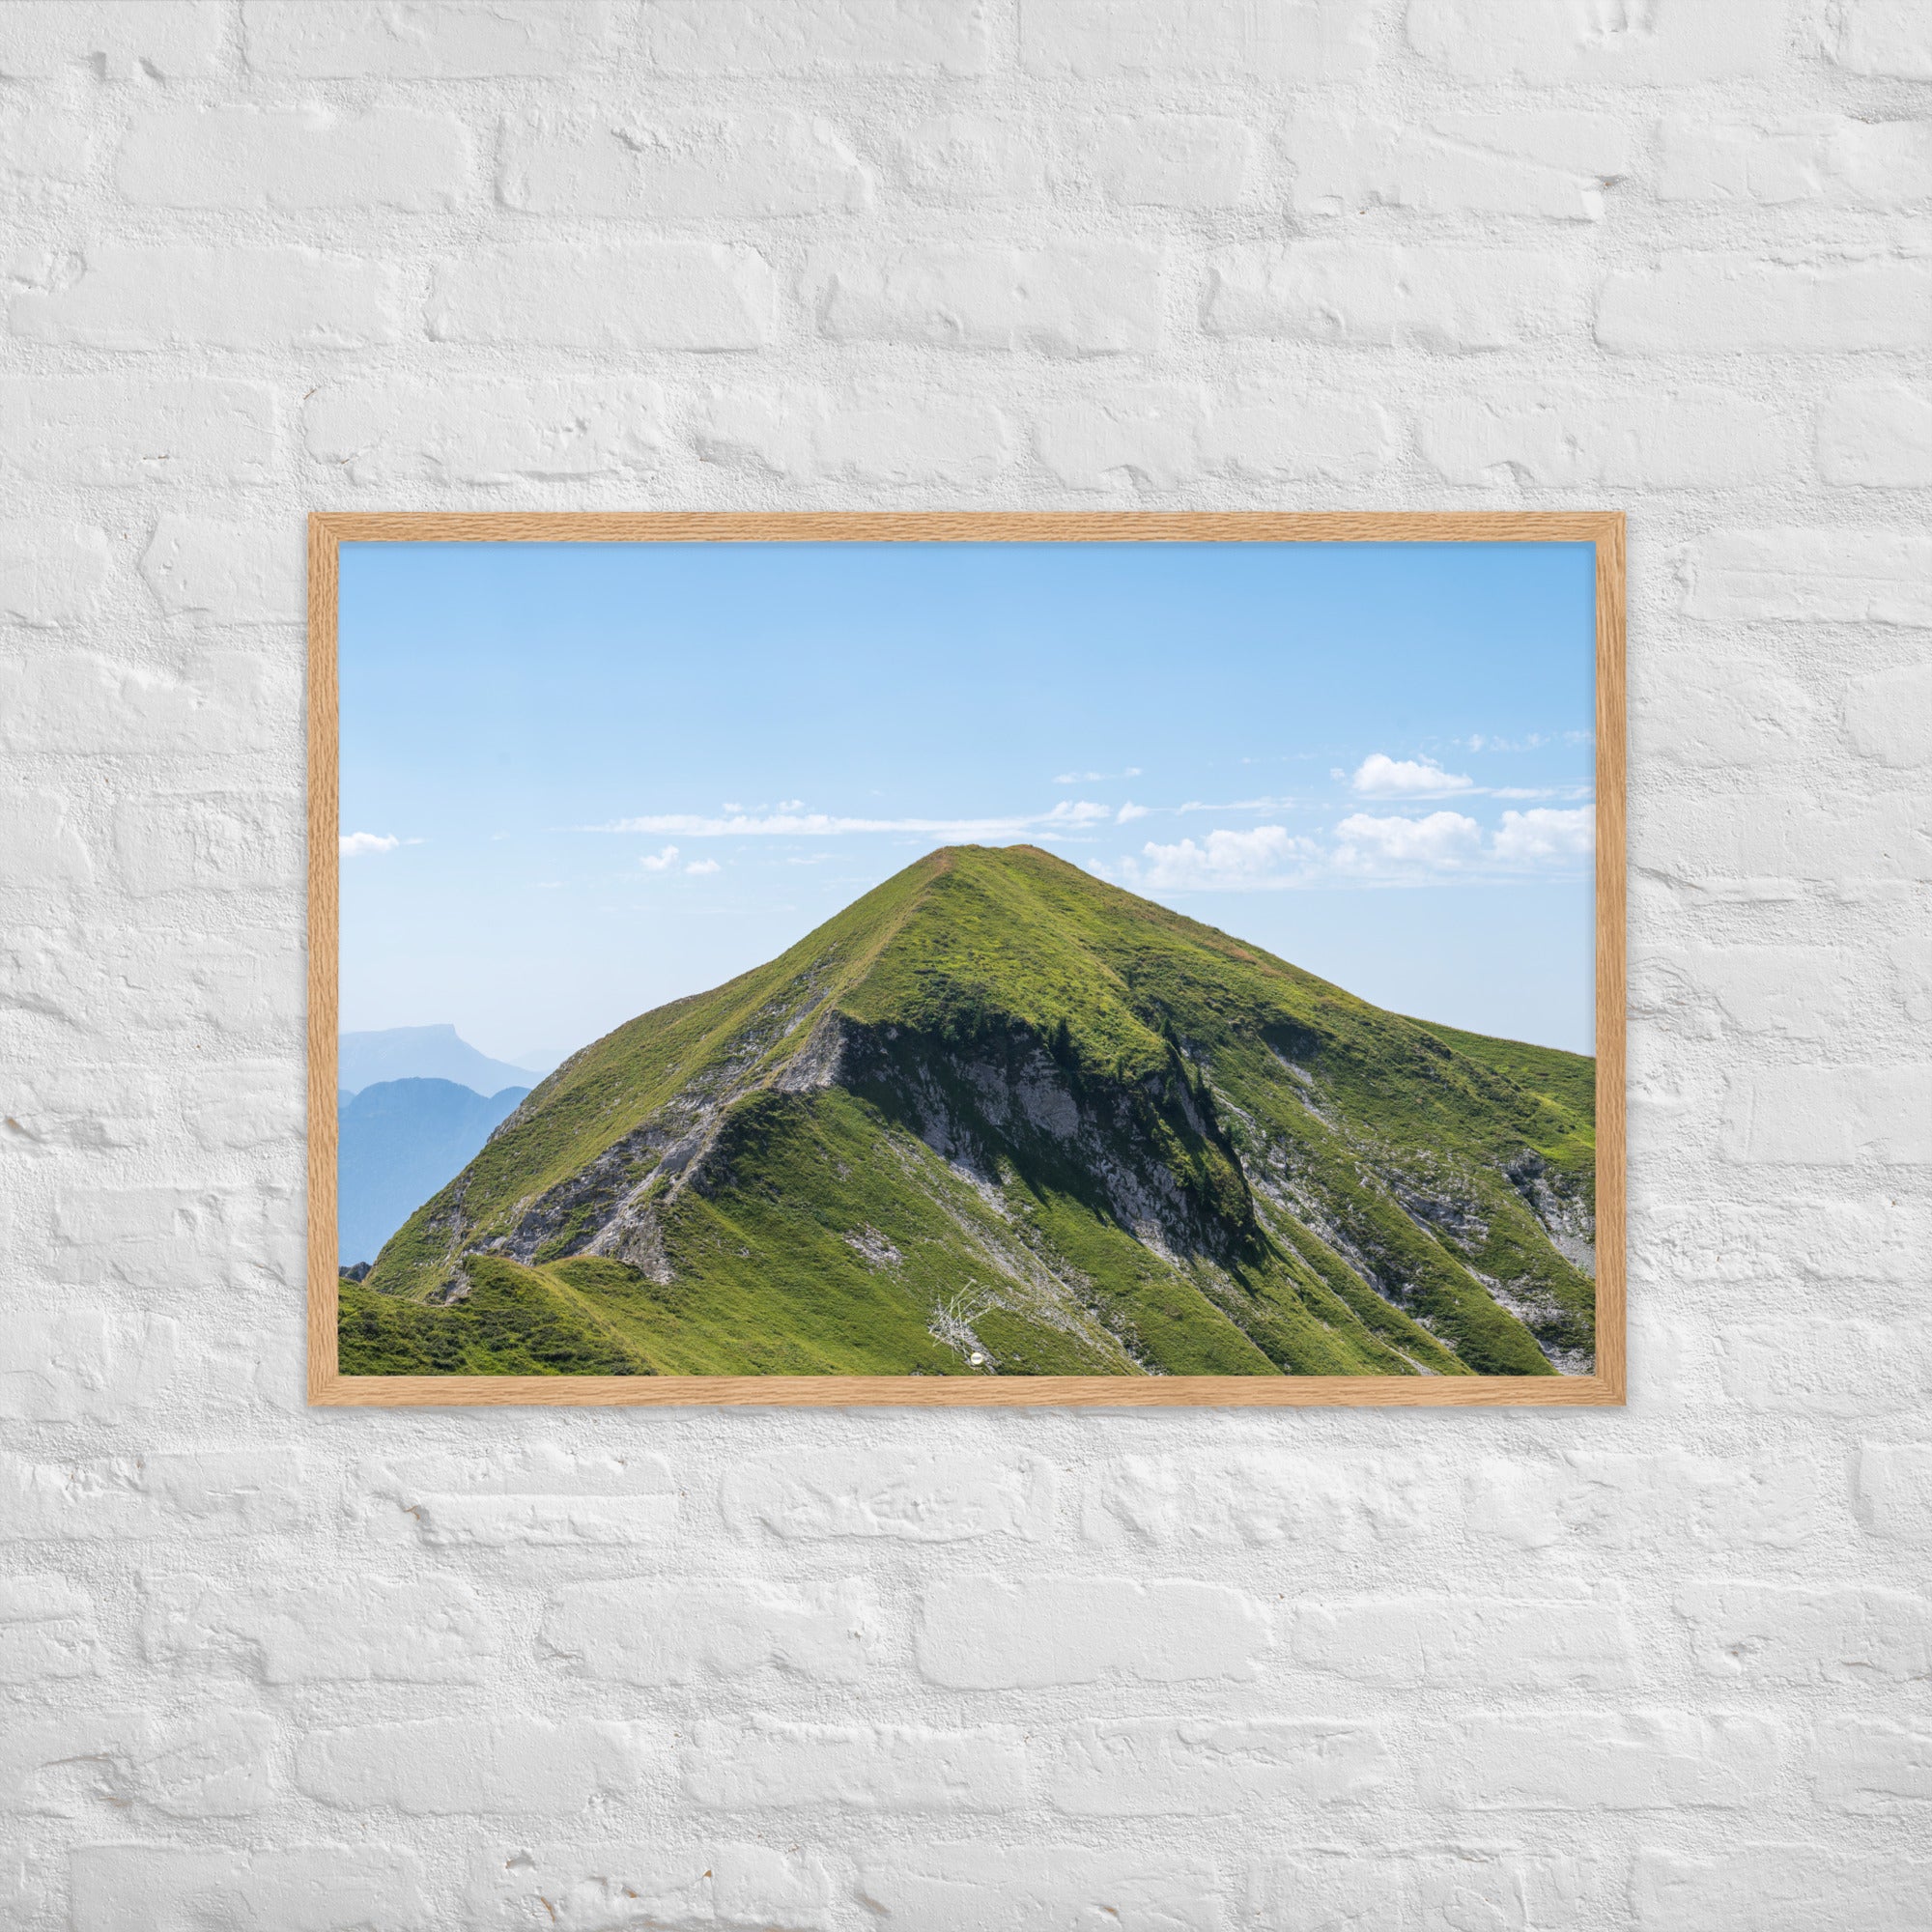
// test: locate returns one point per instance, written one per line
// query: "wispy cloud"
(698, 867)
(1095, 778)
(1129, 812)
(1380, 776)
(1533, 741)
(354, 845)
(1238, 804)
(1069, 815)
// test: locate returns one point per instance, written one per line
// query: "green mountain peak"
(1000, 1117)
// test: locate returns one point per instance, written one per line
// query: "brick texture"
(269, 1670)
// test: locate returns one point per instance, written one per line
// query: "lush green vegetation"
(999, 1109)
(509, 1324)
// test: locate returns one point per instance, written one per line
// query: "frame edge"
(1611, 940)
(327, 1387)
(324, 961)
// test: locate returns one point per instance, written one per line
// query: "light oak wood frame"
(329, 529)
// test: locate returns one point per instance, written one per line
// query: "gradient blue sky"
(581, 780)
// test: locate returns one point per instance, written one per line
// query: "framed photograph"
(966, 958)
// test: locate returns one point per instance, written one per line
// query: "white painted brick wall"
(1659, 1670)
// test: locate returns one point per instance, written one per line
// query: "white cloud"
(354, 844)
(1442, 841)
(1535, 838)
(791, 804)
(1365, 848)
(1268, 856)
(1095, 778)
(1130, 812)
(667, 861)
(1068, 812)
(1380, 776)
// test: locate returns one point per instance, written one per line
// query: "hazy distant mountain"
(422, 1053)
(1000, 1117)
(401, 1140)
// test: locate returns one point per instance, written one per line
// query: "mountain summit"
(998, 1117)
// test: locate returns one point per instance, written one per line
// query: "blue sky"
(578, 780)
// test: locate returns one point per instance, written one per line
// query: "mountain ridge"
(422, 1053)
(998, 1116)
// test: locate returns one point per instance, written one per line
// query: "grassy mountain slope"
(999, 1109)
